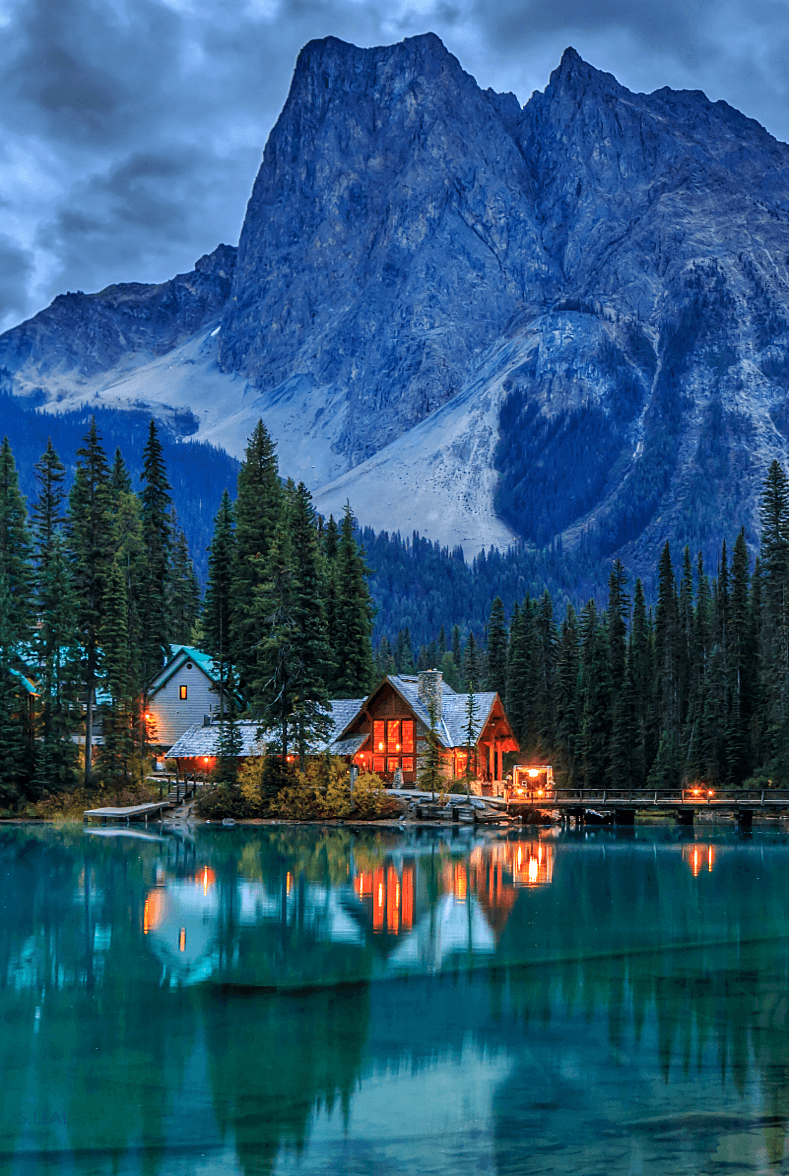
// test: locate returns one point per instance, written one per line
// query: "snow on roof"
(200, 740)
(451, 730)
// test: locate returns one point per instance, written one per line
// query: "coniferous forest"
(96, 581)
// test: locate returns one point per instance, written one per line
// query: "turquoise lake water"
(300, 1001)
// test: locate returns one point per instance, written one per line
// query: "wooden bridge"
(619, 805)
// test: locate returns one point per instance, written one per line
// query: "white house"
(184, 692)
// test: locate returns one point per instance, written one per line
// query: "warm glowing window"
(378, 763)
(183, 692)
(379, 735)
(408, 736)
(392, 764)
(393, 735)
(408, 763)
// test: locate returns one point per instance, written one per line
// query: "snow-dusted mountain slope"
(471, 318)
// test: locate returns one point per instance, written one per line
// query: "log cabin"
(387, 732)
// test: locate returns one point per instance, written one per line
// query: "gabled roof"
(451, 730)
(180, 654)
(25, 683)
(201, 741)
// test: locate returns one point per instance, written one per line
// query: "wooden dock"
(136, 812)
(621, 804)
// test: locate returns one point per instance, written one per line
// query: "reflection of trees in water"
(666, 1059)
(623, 1022)
(275, 1059)
(96, 1060)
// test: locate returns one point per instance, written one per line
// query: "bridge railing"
(654, 797)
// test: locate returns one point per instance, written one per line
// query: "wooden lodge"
(387, 732)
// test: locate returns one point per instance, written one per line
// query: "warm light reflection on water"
(290, 1000)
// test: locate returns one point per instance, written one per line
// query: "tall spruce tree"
(157, 538)
(774, 561)
(219, 596)
(258, 510)
(16, 628)
(496, 655)
(617, 615)
(55, 638)
(355, 612)
(568, 697)
(310, 644)
(91, 535)
(596, 696)
(183, 594)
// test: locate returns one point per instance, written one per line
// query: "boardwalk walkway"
(623, 803)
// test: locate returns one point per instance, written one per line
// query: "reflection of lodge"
(531, 863)
(388, 897)
(387, 732)
(699, 858)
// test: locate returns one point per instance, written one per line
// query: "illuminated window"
(408, 763)
(379, 735)
(378, 763)
(408, 736)
(183, 692)
(393, 735)
(393, 764)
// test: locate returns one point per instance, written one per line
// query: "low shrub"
(323, 793)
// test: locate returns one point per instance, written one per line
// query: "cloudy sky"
(131, 130)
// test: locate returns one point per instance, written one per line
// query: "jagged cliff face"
(477, 319)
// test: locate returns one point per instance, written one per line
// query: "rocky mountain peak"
(474, 319)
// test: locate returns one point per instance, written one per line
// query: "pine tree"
(273, 688)
(15, 739)
(596, 696)
(384, 659)
(774, 561)
(517, 673)
(16, 549)
(741, 661)
(309, 645)
(496, 658)
(116, 753)
(157, 539)
(546, 640)
(55, 639)
(219, 595)
(471, 734)
(330, 546)
(91, 546)
(183, 595)
(258, 510)
(16, 630)
(355, 613)
(568, 696)
(120, 478)
(667, 648)
(617, 615)
(404, 653)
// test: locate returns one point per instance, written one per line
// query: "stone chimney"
(430, 689)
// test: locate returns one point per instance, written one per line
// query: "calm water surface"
(288, 1001)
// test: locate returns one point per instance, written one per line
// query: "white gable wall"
(170, 714)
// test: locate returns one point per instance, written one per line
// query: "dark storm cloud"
(670, 24)
(131, 130)
(16, 265)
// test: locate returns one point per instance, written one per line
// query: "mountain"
(567, 320)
